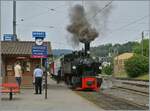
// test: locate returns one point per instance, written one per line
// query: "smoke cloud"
(82, 26)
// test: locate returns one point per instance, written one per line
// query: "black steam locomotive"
(80, 70)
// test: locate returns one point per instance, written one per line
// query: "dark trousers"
(18, 80)
(38, 85)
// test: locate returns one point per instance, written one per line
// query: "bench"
(9, 88)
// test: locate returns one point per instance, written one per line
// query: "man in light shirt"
(18, 73)
(38, 73)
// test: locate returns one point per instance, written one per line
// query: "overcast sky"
(126, 21)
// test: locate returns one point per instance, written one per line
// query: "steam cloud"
(81, 28)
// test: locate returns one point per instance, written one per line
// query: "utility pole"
(82, 3)
(142, 42)
(14, 20)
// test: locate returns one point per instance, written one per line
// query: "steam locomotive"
(80, 70)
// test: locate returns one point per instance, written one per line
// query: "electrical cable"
(126, 25)
(133, 22)
(99, 11)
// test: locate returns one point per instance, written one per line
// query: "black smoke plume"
(80, 28)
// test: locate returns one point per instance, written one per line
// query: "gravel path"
(110, 102)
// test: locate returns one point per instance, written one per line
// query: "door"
(26, 71)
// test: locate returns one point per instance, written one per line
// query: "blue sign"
(9, 37)
(36, 34)
(39, 51)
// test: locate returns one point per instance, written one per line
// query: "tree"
(101, 50)
(104, 50)
(137, 65)
(108, 70)
(138, 48)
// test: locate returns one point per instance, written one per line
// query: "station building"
(12, 51)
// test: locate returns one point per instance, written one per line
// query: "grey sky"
(125, 23)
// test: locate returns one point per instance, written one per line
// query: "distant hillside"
(104, 50)
(58, 52)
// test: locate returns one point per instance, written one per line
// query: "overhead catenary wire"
(133, 22)
(99, 11)
(40, 14)
(96, 15)
(127, 25)
(36, 15)
(123, 25)
(46, 26)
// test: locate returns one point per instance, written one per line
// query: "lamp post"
(115, 54)
(14, 20)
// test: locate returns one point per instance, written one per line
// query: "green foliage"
(108, 70)
(127, 47)
(138, 48)
(143, 77)
(101, 50)
(104, 50)
(137, 65)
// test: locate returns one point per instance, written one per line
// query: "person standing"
(18, 73)
(38, 74)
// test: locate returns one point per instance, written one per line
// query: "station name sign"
(9, 37)
(36, 34)
(39, 51)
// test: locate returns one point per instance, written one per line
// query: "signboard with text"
(39, 51)
(36, 34)
(9, 37)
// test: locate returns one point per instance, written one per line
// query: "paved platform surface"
(60, 98)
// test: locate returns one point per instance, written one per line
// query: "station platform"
(60, 98)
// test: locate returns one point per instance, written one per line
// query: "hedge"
(137, 65)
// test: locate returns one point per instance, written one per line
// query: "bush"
(136, 65)
(108, 69)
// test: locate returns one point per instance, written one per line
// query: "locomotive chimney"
(87, 48)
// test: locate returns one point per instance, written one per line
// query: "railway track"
(109, 102)
(120, 94)
(140, 92)
(130, 79)
(136, 86)
(136, 96)
(139, 83)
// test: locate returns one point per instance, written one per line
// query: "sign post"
(46, 67)
(40, 51)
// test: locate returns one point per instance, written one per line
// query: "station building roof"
(20, 47)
